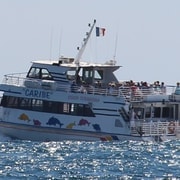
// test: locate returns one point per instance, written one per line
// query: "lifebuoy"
(171, 127)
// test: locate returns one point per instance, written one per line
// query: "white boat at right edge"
(155, 114)
(68, 99)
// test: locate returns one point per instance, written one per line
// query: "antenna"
(81, 50)
(60, 42)
(116, 41)
(51, 40)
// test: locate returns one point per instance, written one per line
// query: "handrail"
(125, 92)
(156, 128)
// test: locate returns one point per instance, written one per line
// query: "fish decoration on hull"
(96, 127)
(24, 117)
(36, 122)
(71, 125)
(83, 122)
(54, 121)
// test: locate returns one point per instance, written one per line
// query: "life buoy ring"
(171, 127)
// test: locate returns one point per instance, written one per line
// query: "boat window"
(4, 101)
(45, 74)
(72, 109)
(157, 112)
(37, 104)
(148, 112)
(80, 110)
(9, 101)
(98, 75)
(139, 112)
(77, 109)
(165, 112)
(88, 75)
(47, 106)
(34, 73)
(39, 73)
(66, 108)
(80, 72)
(176, 115)
(71, 75)
(25, 103)
(87, 111)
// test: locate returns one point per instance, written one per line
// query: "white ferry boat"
(69, 99)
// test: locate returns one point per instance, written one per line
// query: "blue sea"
(89, 160)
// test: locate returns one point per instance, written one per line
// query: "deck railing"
(15, 79)
(156, 128)
(126, 92)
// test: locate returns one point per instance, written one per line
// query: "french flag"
(100, 31)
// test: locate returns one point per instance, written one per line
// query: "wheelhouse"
(66, 71)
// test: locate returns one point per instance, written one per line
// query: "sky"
(143, 36)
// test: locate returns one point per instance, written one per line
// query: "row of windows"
(85, 74)
(47, 106)
(39, 73)
(156, 112)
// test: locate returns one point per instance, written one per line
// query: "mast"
(81, 50)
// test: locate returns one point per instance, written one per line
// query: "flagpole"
(81, 50)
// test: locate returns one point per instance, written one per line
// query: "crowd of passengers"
(127, 86)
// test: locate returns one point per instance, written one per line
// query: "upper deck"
(123, 89)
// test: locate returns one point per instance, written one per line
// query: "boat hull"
(27, 132)
(33, 133)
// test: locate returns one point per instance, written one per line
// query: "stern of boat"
(157, 131)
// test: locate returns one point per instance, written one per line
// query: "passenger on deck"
(98, 84)
(156, 87)
(133, 89)
(163, 88)
(144, 85)
(177, 91)
(111, 88)
(82, 88)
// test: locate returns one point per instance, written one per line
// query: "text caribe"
(37, 94)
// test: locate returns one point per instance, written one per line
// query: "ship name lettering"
(37, 94)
